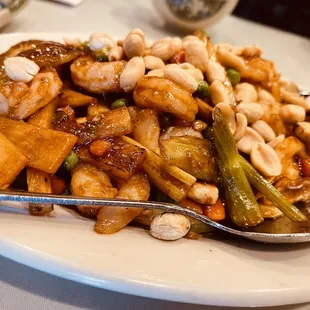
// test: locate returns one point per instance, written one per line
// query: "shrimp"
(163, 95)
(19, 100)
(90, 181)
(97, 77)
(111, 220)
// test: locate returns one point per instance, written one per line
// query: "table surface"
(24, 288)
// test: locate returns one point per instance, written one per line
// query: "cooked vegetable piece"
(91, 182)
(204, 110)
(12, 162)
(40, 181)
(270, 211)
(202, 90)
(75, 99)
(43, 118)
(95, 109)
(121, 159)
(51, 54)
(305, 165)
(165, 96)
(242, 205)
(192, 205)
(215, 212)
(194, 155)
(111, 220)
(71, 161)
(114, 123)
(171, 180)
(147, 130)
(270, 192)
(234, 76)
(110, 124)
(101, 55)
(119, 103)
(45, 148)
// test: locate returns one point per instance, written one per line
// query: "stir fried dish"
(211, 127)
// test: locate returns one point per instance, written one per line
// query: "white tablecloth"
(25, 288)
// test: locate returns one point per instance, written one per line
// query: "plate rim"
(57, 267)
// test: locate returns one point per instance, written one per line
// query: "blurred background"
(288, 15)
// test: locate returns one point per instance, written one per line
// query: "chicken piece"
(111, 220)
(286, 151)
(97, 77)
(297, 190)
(163, 95)
(91, 182)
(20, 100)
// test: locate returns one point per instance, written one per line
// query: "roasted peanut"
(166, 47)
(157, 72)
(153, 63)
(182, 78)
(265, 160)
(116, 53)
(229, 115)
(133, 44)
(218, 92)
(133, 72)
(292, 113)
(245, 92)
(251, 138)
(241, 126)
(303, 131)
(273, 143)
(214, 71)
(252, 111)
(197, 55)
(228, 59)
(294, 98)
(264, 130)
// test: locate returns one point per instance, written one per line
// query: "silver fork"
(168, 207)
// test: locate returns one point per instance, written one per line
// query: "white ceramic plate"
(227, 273)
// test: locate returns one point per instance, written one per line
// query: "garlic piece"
(169, 226)
(252, 111)
(20, 69)
(241, 126)
(153, 63)
(273, 143)
(247, 142)
(292, 113)
(229, 115)
(204, 193)
(264, 130)
(132, 73)
(265, 159)
(98, 41)
(133, 44)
